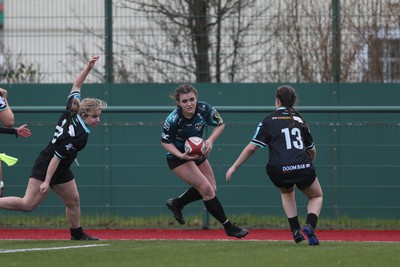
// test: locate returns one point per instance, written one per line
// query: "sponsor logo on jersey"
(165, 136)
(198, 126)
(295, 167)
(69, 147)
(281, 118)
(217, 117)
(166, 126)
(297, 118)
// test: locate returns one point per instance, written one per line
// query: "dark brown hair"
(183, 89)
(288, 97)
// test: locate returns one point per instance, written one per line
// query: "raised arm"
(84, 73)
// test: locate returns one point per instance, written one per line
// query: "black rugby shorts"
(302, 178)
(61, 176)
(173, 163)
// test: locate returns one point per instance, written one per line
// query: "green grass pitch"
(175, 253)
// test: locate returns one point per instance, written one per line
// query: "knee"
(73, 201)
(319, 194)
(316, 195)
(207, 191)
(28, 207)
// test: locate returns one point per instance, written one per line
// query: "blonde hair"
(87, 105)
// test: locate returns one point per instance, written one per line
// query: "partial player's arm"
(312, 152)
(171, 148)
(6, 114)
(8, 130)
(245, 155)
(214, 119)
(51, 169)
(217, 131)
(309, 143)
(20, 131)
(84, 73)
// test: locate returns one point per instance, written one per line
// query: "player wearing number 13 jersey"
(288, 139)
(291, 154)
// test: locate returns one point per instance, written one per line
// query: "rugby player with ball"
(187, 123)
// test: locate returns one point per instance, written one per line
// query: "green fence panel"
(122, 171)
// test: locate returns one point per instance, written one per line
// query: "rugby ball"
(195, 146)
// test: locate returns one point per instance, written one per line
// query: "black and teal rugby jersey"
(287, 143)
(177, 128)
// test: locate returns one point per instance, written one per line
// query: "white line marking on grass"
(53, 248)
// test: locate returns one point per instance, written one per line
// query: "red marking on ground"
(170, 234)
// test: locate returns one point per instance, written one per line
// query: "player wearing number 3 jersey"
(291, 156)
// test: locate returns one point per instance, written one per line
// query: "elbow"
(7, 118)
(9, 122)
(312, 153)
(251, 148)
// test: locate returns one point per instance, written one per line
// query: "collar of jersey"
(83, 124)
(281, 108)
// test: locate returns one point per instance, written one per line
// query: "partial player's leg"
(29, 202)
(315, 199)
(290, 207)
(193, 176)
(68, 192)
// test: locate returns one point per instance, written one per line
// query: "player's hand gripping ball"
(195, 146)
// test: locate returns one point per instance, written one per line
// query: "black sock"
(189, 196)
(76, 232)
(312, 219)
(214, 207)
(294, 223)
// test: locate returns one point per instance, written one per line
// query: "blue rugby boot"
(312, 237)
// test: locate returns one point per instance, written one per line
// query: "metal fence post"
(108, 45)
(336, 50)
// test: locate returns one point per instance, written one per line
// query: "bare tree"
(251, 41)
(378, 39)
(303, 42)
(200, 40)
(15, 69)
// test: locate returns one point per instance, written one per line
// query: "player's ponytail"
(75, 106)
(287, 96)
